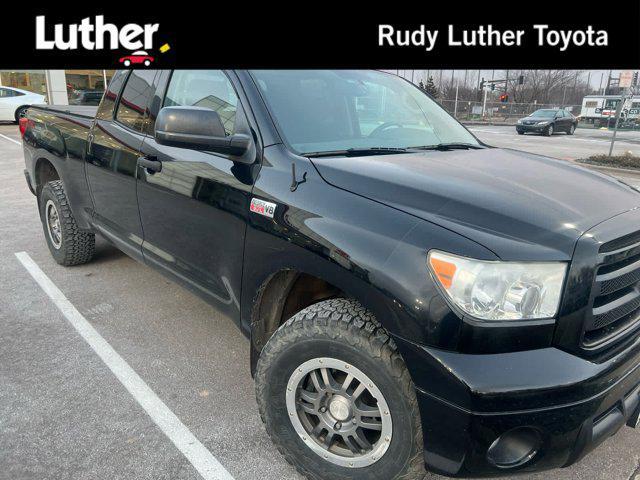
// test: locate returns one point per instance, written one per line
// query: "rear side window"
(105, 110)
(5, 92)
(134, 100)
(204, 88)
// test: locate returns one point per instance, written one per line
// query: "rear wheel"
(549, 130)
(68, 245)
(21, 112)
(336, 397)
(572, 129)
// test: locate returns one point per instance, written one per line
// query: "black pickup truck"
(413, 297)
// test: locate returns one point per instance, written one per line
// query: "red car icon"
(137, 58)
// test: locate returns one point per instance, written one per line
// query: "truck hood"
(519, 205)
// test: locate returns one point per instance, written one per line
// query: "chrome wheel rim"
(339, 413)
(53, 224)
(22, 113)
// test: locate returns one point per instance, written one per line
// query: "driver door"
(194, 208)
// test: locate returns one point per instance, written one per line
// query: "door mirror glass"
(197, 128)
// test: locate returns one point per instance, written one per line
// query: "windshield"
(335, 110)
(544, 113)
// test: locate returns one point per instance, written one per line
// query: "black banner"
(321, 34)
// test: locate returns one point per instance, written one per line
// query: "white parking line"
(10, 139)
(197, 454)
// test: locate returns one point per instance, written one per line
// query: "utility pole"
(484, 102)
(455, 107)
(623, 99)
(600, 86)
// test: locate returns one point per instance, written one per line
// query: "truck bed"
(85, 111)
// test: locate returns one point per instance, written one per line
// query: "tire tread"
(78, 245)
(348, 321)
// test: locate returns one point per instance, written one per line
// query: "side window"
(5, 92)
(134, 100)
(105, 110)
(204, 88)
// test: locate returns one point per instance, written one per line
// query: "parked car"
(404, 303)
(548, 121)
(137, 58)
(85, 97)
(14, 102)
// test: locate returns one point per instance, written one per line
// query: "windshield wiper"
(443, 147)
(356, 152)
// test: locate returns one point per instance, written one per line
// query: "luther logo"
(95, 34)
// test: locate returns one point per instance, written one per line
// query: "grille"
(616, 302)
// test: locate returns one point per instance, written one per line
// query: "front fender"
(372, 252)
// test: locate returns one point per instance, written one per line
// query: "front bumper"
(531, 128)
(569, 404)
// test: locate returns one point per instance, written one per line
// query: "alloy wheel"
(339, 412)
(53, 224)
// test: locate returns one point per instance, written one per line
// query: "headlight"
(499, 290)
(519, 121)
(543, 122)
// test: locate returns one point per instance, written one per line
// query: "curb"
(626, 171)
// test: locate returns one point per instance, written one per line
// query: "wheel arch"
(285, 292)
(44, 171)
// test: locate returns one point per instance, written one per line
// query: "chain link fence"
(497, 112)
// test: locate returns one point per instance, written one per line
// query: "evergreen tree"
(431, 88)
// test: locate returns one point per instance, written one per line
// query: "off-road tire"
(77, 246)
(343, 329)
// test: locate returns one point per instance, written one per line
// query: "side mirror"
(197, 128)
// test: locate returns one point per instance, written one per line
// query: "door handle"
(151, 164)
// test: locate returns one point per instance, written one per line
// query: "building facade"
(62, 87)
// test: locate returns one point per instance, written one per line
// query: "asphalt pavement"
(65, 413)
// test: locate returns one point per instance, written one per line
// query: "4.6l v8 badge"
(261, 207)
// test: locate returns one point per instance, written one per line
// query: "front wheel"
(549, 130)
(68, 244)
(336, 397)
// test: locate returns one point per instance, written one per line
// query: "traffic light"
(504, 98)
(520, 79)
(493, 87)
(634, 82)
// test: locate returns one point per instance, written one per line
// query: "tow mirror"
(198, 128)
